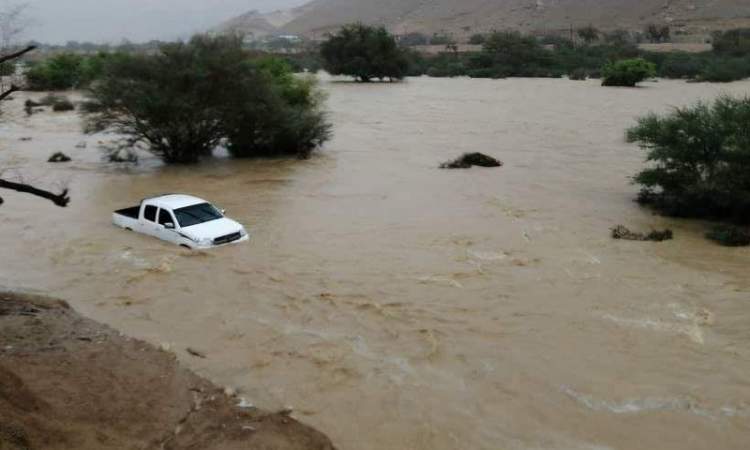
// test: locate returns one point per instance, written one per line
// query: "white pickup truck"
(183, 220)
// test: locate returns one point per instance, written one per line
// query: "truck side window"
(150, 213)
(165, 217)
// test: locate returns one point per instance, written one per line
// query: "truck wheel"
(128, 229)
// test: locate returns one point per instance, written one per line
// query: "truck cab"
(183, 220)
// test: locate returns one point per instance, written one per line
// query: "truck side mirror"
(169, 226)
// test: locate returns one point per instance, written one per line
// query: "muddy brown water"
(398, 306)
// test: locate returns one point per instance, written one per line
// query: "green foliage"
(627, 72)
(730, 236)
(589, 34)
(186, 99)
(515, 55)
(441, 39)
(578, 74)
(66, 71)
(724, 70)
(7, 69)
(700, 160)
(658, 33)
(364, 53)
(57, 73)
(732, 42)
(477, 39)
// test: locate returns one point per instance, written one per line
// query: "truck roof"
(175, 201)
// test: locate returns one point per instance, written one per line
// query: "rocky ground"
(67, 382)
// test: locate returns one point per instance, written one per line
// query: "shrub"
(477, 39)
(732, 42)
(57, 73)
(289, 123)
(186, 99)
(589, 34)
(627, 72)
(63, 105)
(730, 236)
(7, 69)
(441, 39)
(700, 159)
(725, 70)
(680, 65)
(512, 54)
(364, 53)
(578, 74)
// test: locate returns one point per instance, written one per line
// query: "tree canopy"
(700, 160)
(365, 53)
(189, 98)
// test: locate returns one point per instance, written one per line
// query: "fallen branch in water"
(60, 200)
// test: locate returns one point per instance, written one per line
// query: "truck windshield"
(196, 214)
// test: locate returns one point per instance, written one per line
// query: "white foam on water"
(487, 256)
(649, 404)
(692, 331)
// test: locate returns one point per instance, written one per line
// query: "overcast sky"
(59, 21)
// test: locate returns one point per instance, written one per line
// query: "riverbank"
(69, 382)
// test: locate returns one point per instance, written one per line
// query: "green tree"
(364, 53)
(188, 98)
(627, 72)
(700, 160)
(477, 39)
(732, 42)
(589, 34)
(513, 54)
(57, 73)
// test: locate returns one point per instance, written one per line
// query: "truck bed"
(131, 213)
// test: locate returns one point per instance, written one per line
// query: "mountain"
(252, 23)
(465, 17)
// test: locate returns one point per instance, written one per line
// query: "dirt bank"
(69, 382)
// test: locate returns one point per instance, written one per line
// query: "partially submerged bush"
(730, 236)
(627, 72)
(468, 160)
(59, 157)
(63, 105)
(190, 97)
(622, 232)
(578, 75)
(700, 159)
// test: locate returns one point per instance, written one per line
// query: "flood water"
(398, 306)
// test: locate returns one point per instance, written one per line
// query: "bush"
(7, 69)
(364, 53)
(477, 39)
(513, 54)
(723, 70)
(627, 72)
(186, 99)
(57, 73)
(700, 159)
(578, 74)
(732, 42)
(730, 236)
(63, 105)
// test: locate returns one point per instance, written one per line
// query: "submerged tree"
(627, 72)
(12, 23)
(191, 97)
(700, 158)
(365, 53)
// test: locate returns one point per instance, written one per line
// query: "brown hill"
(464, 17)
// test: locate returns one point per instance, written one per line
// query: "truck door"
(149, 224)
(165, 221)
